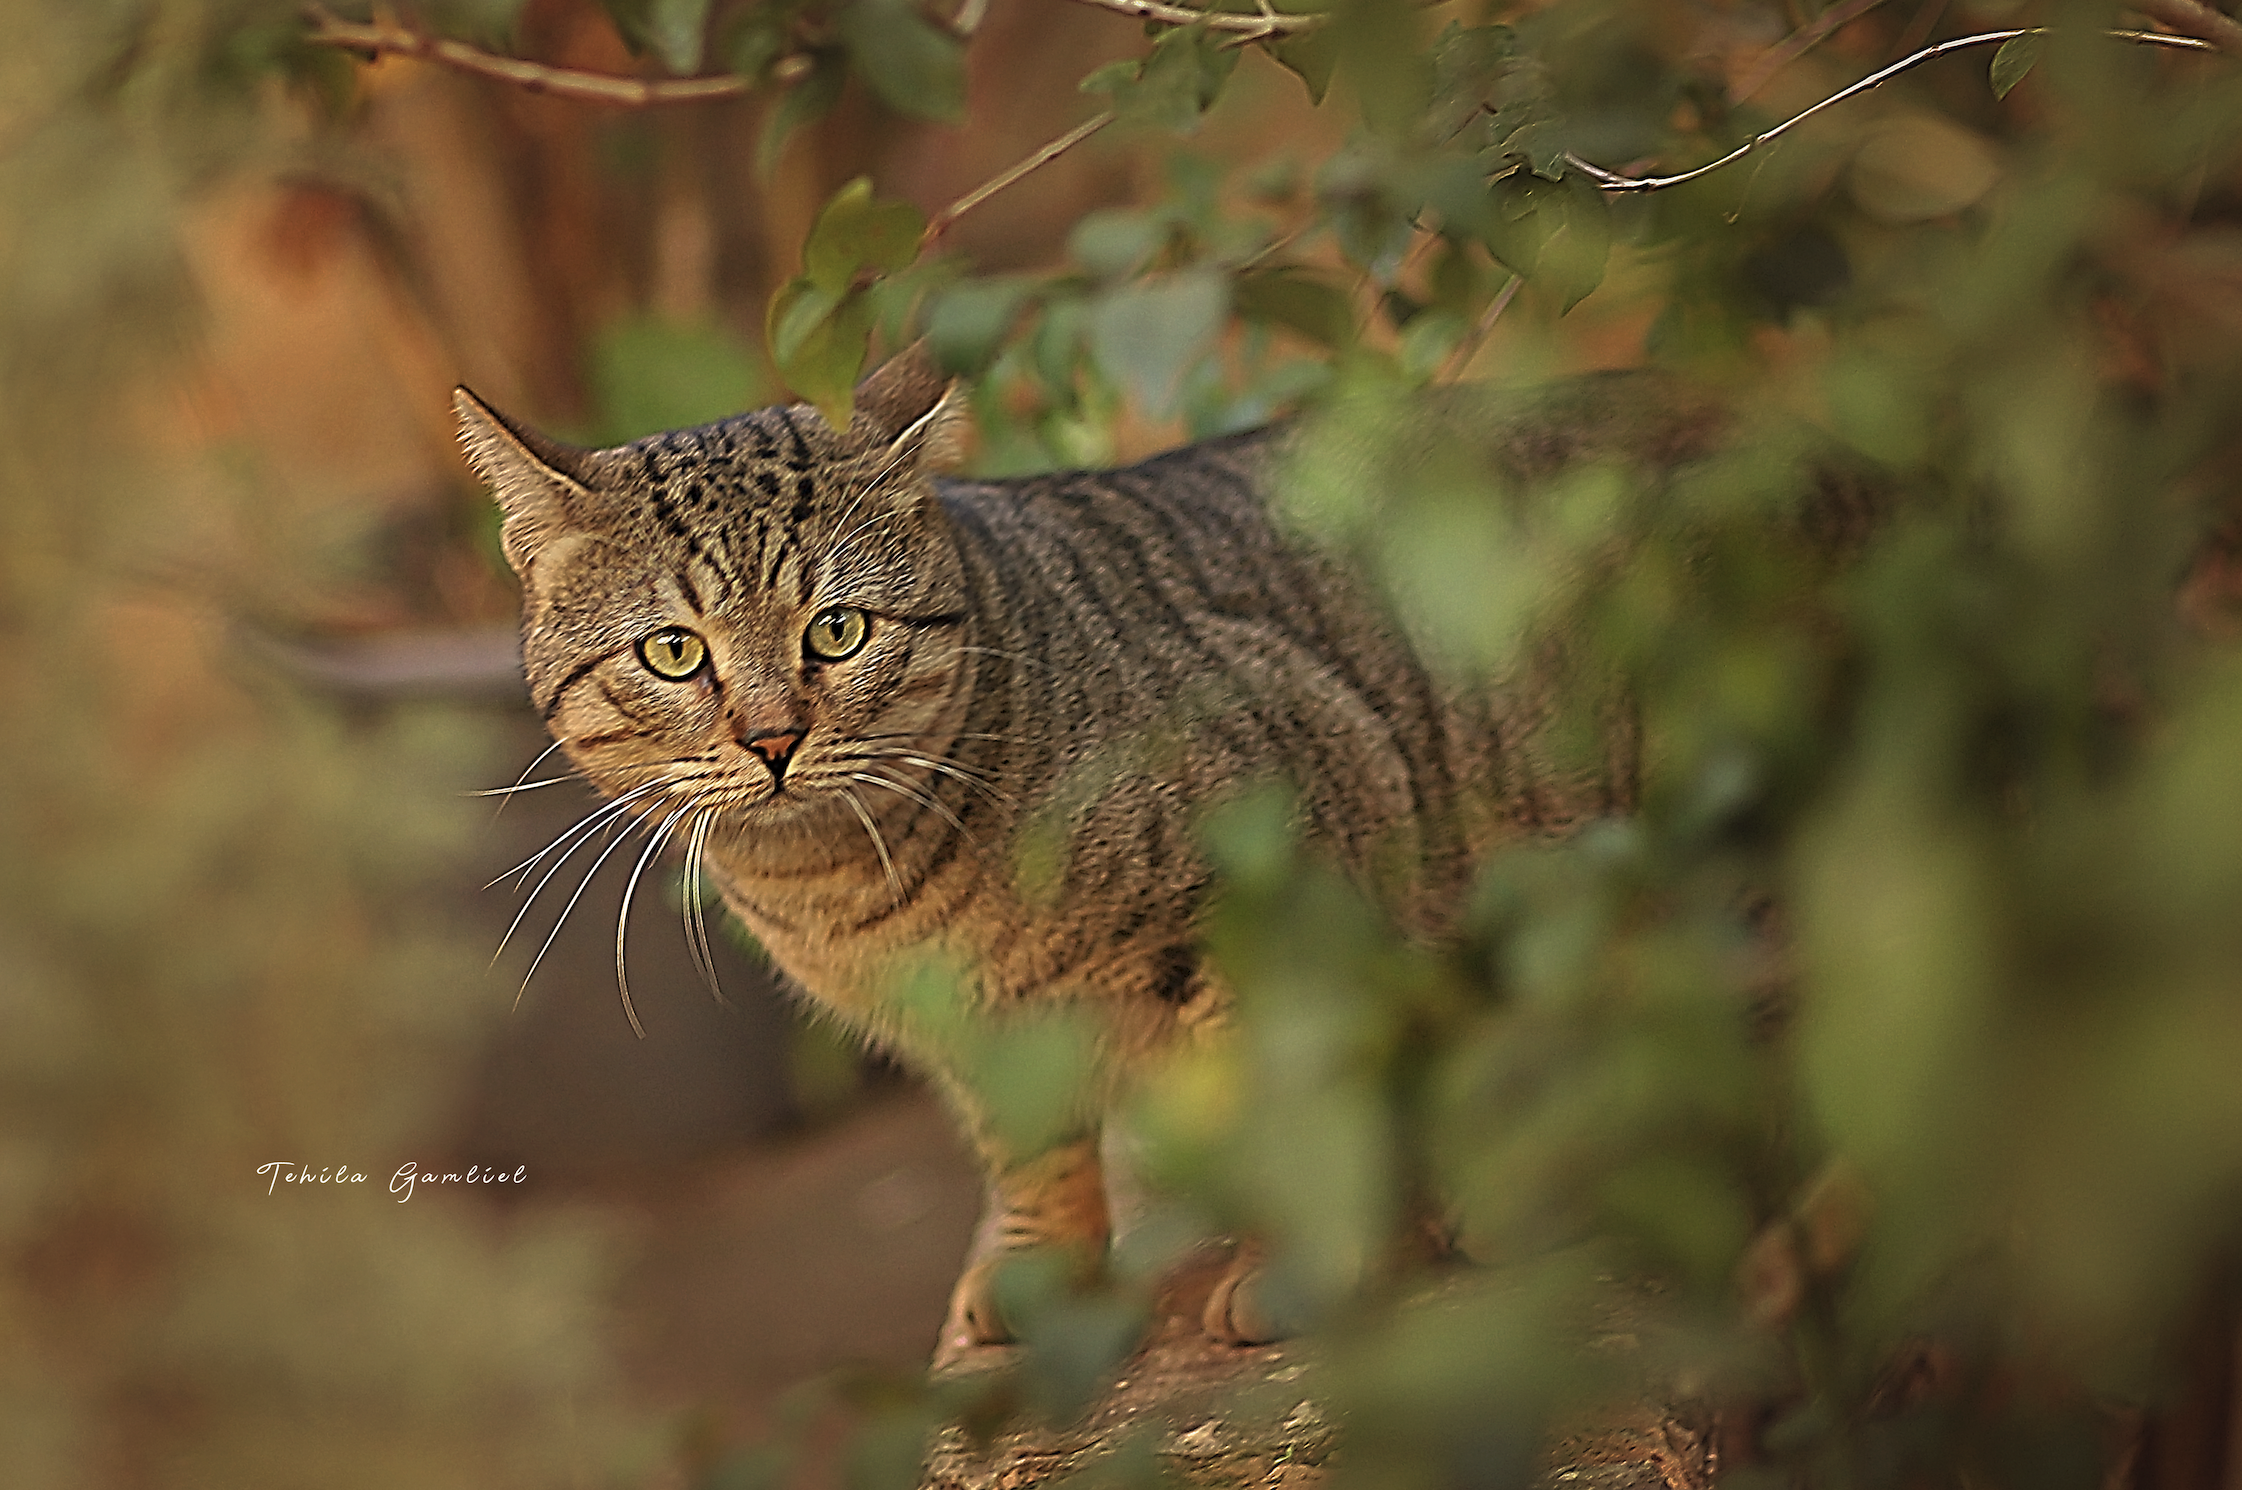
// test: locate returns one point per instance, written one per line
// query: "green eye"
(673, 653)
(835, 634)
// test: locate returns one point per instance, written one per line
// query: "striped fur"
(1088, 657)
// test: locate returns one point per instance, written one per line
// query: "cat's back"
(1165, 601)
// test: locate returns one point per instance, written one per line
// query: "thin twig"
(329, 30)
(1255, 27)
(942, 221)
(1612, 181)
(1797, 45)
(1468, 348)
(2193, 18)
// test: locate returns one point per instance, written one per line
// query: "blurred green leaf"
(807, 101)
(1299, 300)
(1147, 335)
(915, 66)
(648, 374)
(673, 30)
(1174, 85)
(970, 321)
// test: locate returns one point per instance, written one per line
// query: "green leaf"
(1299, 301)
(1573, 261)
(971, 320)
(677, 29)
(1174, 85)
(1557, 234)
(754, 39)
(1146, 336)
(856, 234)
(1117, 241)
(1310, 56)
(810, 99)
(823, 338)
(490, 22)
(915, 66)
(2016, 58)
(797, 310)
(649, 374)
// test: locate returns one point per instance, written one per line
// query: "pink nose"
(776, 747)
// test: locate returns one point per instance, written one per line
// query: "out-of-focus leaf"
(1146, 336)
(2017, 57)
(487, 21)
(1378, 47)
(915, 66)
(678, 30)
(1309, 56)
(1921, 166)
(970, 321)
(1116, 242)
(648, 374)
(755, 38)
(1298, 300)
(809, 100)
(1557, 234)
(1175, 84)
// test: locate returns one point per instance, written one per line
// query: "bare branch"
(2193, 18)
(1612, 181)
(1254, 27)
(942, 221)
(1460, 359)
(374, 40)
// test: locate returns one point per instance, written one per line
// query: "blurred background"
(1978, 790)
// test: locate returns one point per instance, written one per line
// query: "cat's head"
(750, 612)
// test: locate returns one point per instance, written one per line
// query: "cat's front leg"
(1056, 1202)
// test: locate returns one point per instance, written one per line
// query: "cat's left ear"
(537, 480)
(916, 410)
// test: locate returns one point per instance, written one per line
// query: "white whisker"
(696, 914)
(894, 883)
(584, 825)
(912, 793)
(522, 786)
(554, 935)
(654, 841)
(535, 762)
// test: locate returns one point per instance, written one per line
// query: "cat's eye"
(673, 653)
(836, 633)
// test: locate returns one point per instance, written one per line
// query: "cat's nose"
(776, 747)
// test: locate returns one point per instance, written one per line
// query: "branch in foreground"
(2194, 18)
(1253, 26)
(375, 39)
(1612, 181)
(941, 222)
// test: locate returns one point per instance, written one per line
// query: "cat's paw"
(975, 1319)
(1237, 1311)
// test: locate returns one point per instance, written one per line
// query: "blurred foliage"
(217, 951)
(1899, 1021)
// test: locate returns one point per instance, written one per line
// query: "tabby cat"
(855, 687)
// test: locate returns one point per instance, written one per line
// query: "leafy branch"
(374, 39)
(1249, 26)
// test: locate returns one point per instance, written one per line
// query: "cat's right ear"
(537, 480)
